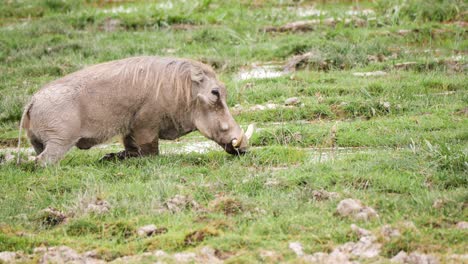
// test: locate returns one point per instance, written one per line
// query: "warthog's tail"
(23, 123)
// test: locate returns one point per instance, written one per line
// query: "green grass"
(401, 140)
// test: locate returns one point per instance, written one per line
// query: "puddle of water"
(364, 12)
(366, 74)
(458, 57)
(316, 155)
(13, 150)
(120, 10)
(182, 148)
(260, 72)
(165, 5)
(330, 154)
(106, 146)
(305, 12)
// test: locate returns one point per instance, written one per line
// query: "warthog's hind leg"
(37, 144)
(53, 153)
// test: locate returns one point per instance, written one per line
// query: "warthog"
(144, 99)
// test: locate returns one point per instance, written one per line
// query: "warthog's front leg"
(136, 145)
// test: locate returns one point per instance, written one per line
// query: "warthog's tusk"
(237, 142)
(250, 131)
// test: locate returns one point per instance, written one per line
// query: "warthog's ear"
(196, 74)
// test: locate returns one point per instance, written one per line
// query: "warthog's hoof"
(118, 156)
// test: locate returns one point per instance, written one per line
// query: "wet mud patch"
(9, 142)
(51, 217)
(310, 25)
(199, 236)
(180, 147)
(227, 205)
(261, 71)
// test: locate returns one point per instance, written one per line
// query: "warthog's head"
(211, 115)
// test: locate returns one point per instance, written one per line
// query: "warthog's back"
(108, 95)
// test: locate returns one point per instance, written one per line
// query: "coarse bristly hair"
(150, 73)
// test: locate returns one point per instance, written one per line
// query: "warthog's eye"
(215, 91)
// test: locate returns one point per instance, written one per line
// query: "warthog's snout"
(240, 144)
(229, 148)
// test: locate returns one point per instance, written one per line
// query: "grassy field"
(397, 141)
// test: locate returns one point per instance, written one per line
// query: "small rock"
(355, 209)
(60, 254)
(208, 255)
(319, 97)
(456, 258)
(400, 257)
(368, 74)
(330, 21)
(92, 254)
(414, 258)
(270, 256)
(111, 25)
(6, 157)
(160, 254)
(271, 106)
(439, 203)
(40, 250)
(404, 32)
(272, 182)
(150, 230)
(462, 24)
(358, 22)
(324, 258)
(313, 58)
(385, 105)
(248, 86)
(366, 214)
(321, 195)
(257, 107)
(361, 232)
(7, 257)
(349, 206)
(297, 248)
(305, 25)
(372, 58)
(366, 247)
(462, 112)
(184, 257)
(409, 225)
(181, 202)
(51, 217)
(292, 101)
(405, 65)
(259, 211)
(98, 207)
(338, 257)
(462, 225)
(228, 205)
(129, 259)
(388, 232)
(377, 58)
(169, 51)
(147, 230)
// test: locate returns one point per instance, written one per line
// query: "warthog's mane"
(150, 74)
